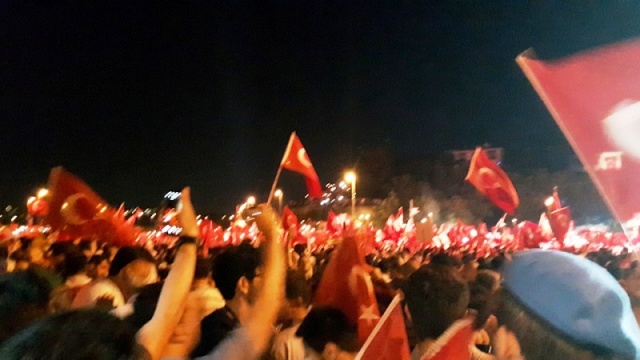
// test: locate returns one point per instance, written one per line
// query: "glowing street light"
(251, 200)
(279, 194)
(42, 193)
(350, 177)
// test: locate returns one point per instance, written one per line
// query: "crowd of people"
(87, 299)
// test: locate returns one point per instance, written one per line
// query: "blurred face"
(632, 284)
(140, 273)
(102, 269)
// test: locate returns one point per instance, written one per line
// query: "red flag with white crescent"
(492, 182)
(594, 98)
(296, 159)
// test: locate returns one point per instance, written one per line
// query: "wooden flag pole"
(273, 187)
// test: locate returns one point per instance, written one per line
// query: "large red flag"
(492, 182)
(388, 341)
(347, 286)
(76, 210)
(595, 99)
(296, 159)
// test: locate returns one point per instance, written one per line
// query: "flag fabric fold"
(492, 182)
(296, 159)
(594, 98)
(346, 285)
(388, 341)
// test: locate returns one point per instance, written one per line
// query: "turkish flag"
(595, 99)
(388, 341)
(560, 222)
(289, 218)
(296, 159)
(492, 182)
(454, 343)
(346, 285)
(76, 210)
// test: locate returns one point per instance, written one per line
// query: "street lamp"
(42, 193)
(251, 200)
(350, 177)
(278, 193)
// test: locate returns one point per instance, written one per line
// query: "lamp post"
(350, 177)
(278, 193)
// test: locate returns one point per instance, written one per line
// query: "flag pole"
(286, 154)
(273, 187)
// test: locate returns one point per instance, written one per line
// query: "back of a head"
(297, 288)
(74, 263)
(127, 255)
(75, 335)
(562, 306)
(324, 324)
(232, 264)
(203, 268)
(145, 305)
(24, 297)
(436, 298)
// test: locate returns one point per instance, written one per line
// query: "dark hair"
(297, 287)
(537, 338)
(299, 248)
(75, 335)
(232, 264)
(61, 248)
(436, 297)
(85, 244)
(127, 255)
(203, 268)
(24, 297)
(326, 324)
(97, 259)
(4, 251)
(145, 305)
(74, 263)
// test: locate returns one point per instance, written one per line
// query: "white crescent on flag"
(303, 158)
(68, 210)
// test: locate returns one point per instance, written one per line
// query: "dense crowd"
(86, 299)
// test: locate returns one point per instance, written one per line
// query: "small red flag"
(560, 222)
(594, 98)
(347, 286)
(388, 341)
(76, 210)
(289, 218)
(492, 182)
(296, 159)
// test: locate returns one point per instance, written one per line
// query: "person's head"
(21, 257)
(327, 334)
(75, 262)
(88, 247)
(133, 267)
(24, 297)
(98, 266)
(75, 335)
(630, 281)
(297, 297)
(436, 297)
(562, 306)
(469, 269)
(203, 269)
(235, 271)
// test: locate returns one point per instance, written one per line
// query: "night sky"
(140, 97)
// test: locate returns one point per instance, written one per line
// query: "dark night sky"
(138, 97)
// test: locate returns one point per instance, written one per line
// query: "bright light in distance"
(31, 199)
(42, 193)
(251, 200)
(350, 177)
(278, 193)
(340, 198)
(14, 218)
(549, 201)
(424, 220)
(172, 195)
(342, 185)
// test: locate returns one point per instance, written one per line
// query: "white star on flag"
(367, 314)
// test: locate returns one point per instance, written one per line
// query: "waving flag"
(296, 159)
(77, 211)
(347, 286)
(492, 182)
(388, 341)
(594, 98)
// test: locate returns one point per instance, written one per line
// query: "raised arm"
(155, 334)
(265, 310)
